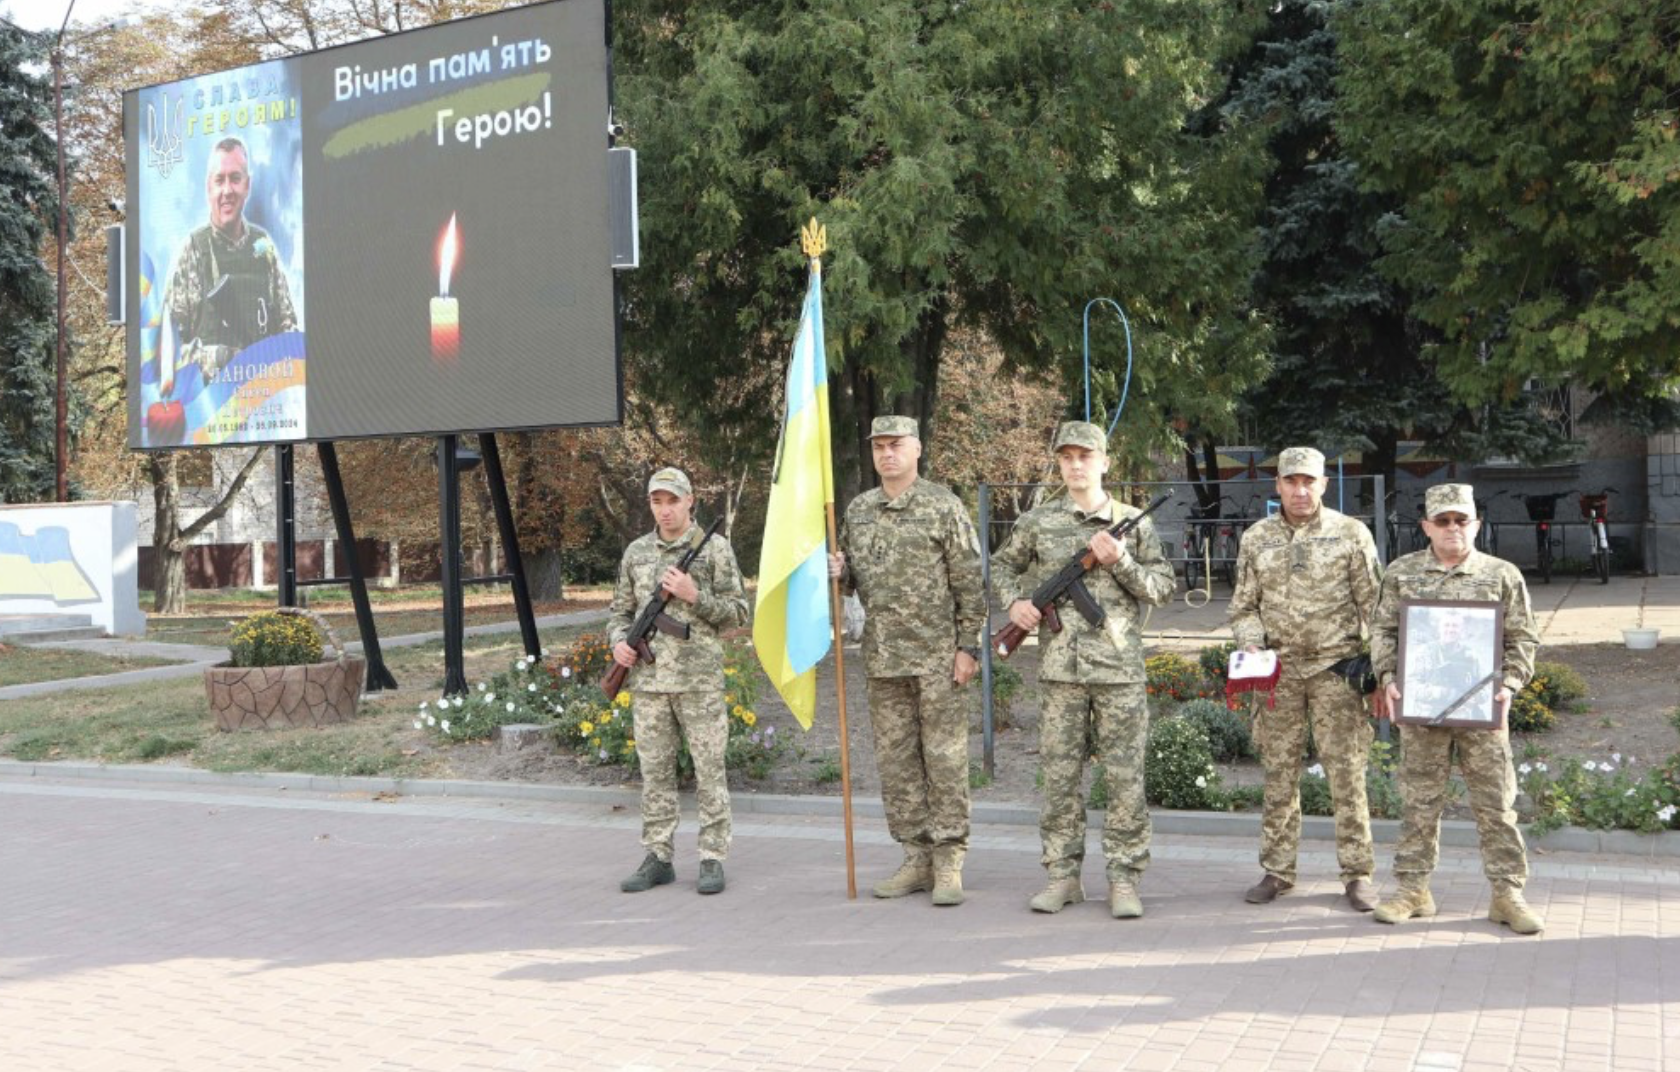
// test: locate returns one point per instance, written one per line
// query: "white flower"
(482, 686)
(445, 726)
(1541, 767)
(1666, 812)
(1524, 769)
(532, 687)
(490, 698)
(510, 706)
(1590, 765)
(1316, 770)
(419, 725)
(430, 721)
(1606, 768)
(543, 652)
(1630, 792)
(424, 705)
(565, 671)
(1201, 782)
(1615, 757)
(603, 753)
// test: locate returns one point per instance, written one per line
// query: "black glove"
(1357, 672)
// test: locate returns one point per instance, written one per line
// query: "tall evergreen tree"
(28, 204)
(1351, 367)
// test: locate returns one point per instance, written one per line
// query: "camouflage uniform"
(1484, 755)
(681, 694)
(1308, 592)
(1092, 681)
(252, 300)
(914, 561)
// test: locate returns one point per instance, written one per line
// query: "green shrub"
(1558, 684)
(1178, 769)
(271, 638)
(1382, 790)
(1601, 795)
(1006, 685)
(1530, 713)
(1227, 731)
(1174, 677)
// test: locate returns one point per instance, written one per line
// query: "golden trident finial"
(814, 238)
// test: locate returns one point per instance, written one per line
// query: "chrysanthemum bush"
(1554, 688)
(274, 639)
(1174, 677)
(1178, 769)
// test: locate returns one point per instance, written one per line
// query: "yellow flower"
(630, 744)
(595, 742)
(606, 717)
(585, 729)
(729, 697)
(750, 719)
(622, 700)
(738, 711)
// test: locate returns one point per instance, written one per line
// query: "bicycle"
(1542, 509)
(1487, 534)
(1595, 510)
(1229, 540)
(1200, 529)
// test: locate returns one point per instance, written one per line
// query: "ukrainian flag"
(791, 624)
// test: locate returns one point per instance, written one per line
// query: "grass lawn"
(171, 720)
(23, 666)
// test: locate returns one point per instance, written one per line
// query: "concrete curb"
(1454, 833)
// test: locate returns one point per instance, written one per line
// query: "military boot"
(947, 875)
(711, 876)
(1123, 899)
(1058, 894)
(653, 872)
(1510, 909)
(914, 875)
(1408, 901)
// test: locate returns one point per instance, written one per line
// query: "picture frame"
(1451, 663)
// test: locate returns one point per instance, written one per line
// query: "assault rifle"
(653, 617)
(1069, 583)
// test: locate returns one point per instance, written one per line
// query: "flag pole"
(814, 238)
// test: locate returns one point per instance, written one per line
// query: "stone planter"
(286, 697)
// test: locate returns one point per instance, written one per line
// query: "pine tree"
(28, 204)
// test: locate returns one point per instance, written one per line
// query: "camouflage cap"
(1449, 499)
(1301, 460)
(1080, 434)
(672, 480)
(894, 426)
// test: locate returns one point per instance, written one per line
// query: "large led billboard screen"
(408, 235)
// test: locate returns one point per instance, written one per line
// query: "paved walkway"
(1571, 611)
(181, 928)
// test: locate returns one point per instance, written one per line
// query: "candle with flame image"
(446, 313)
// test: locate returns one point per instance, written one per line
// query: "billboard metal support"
(987, 714)
(449, 527)
(378, 675)
(510, 542)
(285, 530)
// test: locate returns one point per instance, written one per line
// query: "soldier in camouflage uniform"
(1307, 588)
(1091, 678)
(227, 289)
(910, 551)
(680, 694)
(1451, 568)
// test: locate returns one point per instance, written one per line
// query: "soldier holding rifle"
(1091, 675)
(679, 691)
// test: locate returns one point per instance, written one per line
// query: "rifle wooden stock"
(613, 683)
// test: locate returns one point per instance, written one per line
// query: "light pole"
(61, 416)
